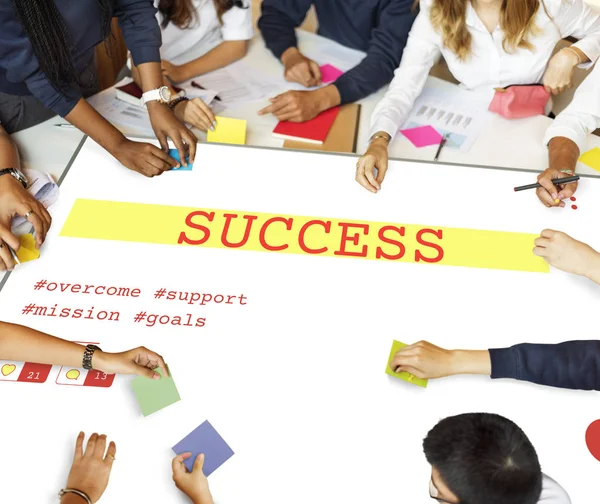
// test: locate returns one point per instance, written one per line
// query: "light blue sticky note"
(174, 153)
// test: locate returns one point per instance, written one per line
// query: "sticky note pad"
(329, 73)
(403, 375)
(204, 439)
(229, 131)
(174, 153)
(591, 158)
(422, 136)
(154, 395)
(27, 252)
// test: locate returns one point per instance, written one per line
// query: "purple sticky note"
(204, 439)
(422, 136)
(329, 73)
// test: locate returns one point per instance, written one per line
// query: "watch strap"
(16, 174)
(87, 356)
(81, 494)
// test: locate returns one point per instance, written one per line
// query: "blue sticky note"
(174, 153)
(204, 439)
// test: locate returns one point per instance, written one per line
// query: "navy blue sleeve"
(21, 65)
(137, 19)
(387, 43)
(571, 365)
(278, 21)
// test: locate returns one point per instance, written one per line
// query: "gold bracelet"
(385, 136)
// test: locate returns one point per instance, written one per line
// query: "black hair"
(49, 37)
(485, 459)
(183, 12)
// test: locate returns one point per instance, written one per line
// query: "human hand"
(552, 195)
(139, 361)
(425, 360)
(143, 158)
(166, 125)
(90, 470)
(376, 158)
(194, 484)
(196, 113)
(567, 254)
(295, 106)
(300, 69)
(16, 200)
(559, 72)
(175, 73)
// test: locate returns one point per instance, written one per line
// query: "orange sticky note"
(27, 252)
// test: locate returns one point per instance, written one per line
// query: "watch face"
(165, 94)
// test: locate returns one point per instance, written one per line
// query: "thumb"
(199, 463)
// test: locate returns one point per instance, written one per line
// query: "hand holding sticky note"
(228, 131)
(407, 377)
(154, 395)
(174, 153)
(204, 439)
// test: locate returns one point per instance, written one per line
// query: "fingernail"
(554, 196)
(215, 122)
(212, 128)
(156, 376)
(177, 165)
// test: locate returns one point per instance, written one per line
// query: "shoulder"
(553, 493)
(556, 8)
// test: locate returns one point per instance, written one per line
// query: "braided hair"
(182, 12)
(46, 30)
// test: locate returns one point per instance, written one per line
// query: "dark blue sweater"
(20, 72)
(571, 365)
(378, 27)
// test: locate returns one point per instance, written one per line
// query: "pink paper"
(422, 136)
(329, 73)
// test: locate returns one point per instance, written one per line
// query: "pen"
(196, 85)
(12, 252)
(65, 125)
(559, 181)
(442, 143)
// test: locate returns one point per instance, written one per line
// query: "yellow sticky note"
(27, 252)
(591, 158)
(229, 131)
(407, 377)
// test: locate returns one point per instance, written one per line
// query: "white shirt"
(488, 65)
(552, 492)
(205, 32)
(582, 116)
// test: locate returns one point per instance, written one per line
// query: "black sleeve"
(571, 365)
(387, 43)
(278, 21)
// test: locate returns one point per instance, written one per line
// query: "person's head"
(182, 13)
(481, 458)
(49, 38)
(516, 19)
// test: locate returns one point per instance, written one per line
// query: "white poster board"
(294, 379)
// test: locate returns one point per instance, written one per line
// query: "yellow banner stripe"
(294, 234)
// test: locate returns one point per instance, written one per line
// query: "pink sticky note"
(329, 73)
(422, 136)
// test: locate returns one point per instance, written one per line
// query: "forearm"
(22, 344)
(225, 53)
(85, 117)
(562, 154)
(138, 79)
(9, 155)
(471, 362)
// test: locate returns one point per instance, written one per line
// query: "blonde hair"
(516, 19)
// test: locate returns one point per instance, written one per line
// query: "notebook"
(342, 136)
(314, 131)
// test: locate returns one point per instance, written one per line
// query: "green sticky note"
(591, 158)
(407, 377)
(154, 395)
